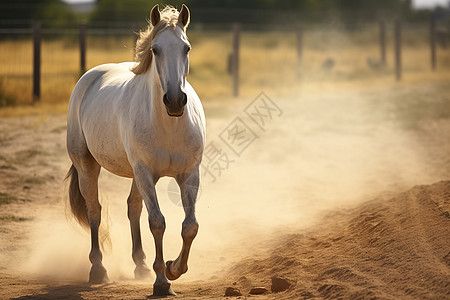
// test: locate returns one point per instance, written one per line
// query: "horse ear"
(184, 16)
(155, 16)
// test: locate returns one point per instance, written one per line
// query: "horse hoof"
(164, 289)
(98, 275)
(169, 274)
(142, 272)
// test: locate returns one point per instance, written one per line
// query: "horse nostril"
(184, 101)
(166, 100)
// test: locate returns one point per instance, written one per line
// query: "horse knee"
(189, 229)
(157, 223)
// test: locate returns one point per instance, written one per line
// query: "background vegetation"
(344, 32)
(58, 13)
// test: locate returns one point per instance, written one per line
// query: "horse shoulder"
(197, 112)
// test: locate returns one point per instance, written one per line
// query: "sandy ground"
(344, 192)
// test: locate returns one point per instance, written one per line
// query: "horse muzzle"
(175, 105)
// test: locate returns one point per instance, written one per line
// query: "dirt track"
(384, 249)
(347, 221)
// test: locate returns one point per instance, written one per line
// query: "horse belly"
(108, 151)
(116, 164)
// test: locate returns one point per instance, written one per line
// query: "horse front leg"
(145, 183)
(134, 202)
(189, 190)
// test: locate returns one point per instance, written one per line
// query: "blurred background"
(239, 47)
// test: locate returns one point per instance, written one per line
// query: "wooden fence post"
(398, 50)
(36, 61)
(299, 49)
(82, 36)
(433, 43)
(235, 59)
(383, 42)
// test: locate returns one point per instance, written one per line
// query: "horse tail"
(76, 200)
(79, 212)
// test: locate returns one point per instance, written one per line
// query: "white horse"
(139, 120)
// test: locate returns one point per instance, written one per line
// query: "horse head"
(170, 50)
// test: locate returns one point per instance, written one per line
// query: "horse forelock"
(144, 55)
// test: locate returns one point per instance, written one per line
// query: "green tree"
(21, 12)
(255, 11)
(126, 11)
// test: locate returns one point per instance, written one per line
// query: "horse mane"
(143, 50)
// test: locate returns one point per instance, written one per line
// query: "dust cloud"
(330, 149)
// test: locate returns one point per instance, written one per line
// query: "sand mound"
(385, 249)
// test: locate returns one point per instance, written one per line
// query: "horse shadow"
(72, 292)
(69, 291)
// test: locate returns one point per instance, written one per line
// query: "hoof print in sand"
(280, 284)
(258, 291)
(231, 291)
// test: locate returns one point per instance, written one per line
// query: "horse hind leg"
(142, 271)
(88, 183)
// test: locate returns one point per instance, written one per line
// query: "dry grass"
(11, 218)
(268, 62)
(7, 198)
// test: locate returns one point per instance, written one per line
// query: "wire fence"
(43, 63)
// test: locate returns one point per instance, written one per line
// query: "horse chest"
(170, 154)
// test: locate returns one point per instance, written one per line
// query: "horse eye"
(155, 51)
(188, 49)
